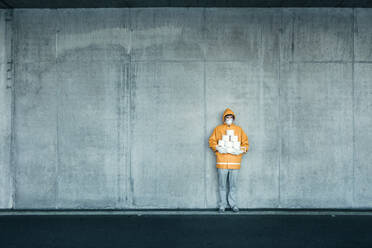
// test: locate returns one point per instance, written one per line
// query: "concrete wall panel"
(6, 179)
(363, 34)
(248, 85)
(113, 107)
(320, 34)
(91, 166)
(83, 126)
(93, 34)
(251, 91)
(363, 135)
(35, 33)
(36, 116)
(168, 139)
(3, 37)
(92, 56)
(35, 128)
(239, 34)
(167, 34)
(316, 167)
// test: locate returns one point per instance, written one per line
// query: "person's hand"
(237, 152)
(221, 149)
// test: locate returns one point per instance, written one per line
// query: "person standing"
(228, 163)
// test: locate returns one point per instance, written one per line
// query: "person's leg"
(222, 178)
(233, 179)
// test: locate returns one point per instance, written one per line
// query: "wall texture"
(6, 180)
(113, 107)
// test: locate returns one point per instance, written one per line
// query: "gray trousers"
(232, 175)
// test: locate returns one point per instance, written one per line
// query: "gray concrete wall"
(6, 180)
(114, 107)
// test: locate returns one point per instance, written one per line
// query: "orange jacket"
(227, 160)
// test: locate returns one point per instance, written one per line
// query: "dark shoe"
(221, 210)
(235, 209)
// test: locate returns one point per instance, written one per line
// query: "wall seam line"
(119, 143)
(205, 112)
(279, 102)
(13, 170)
(353, 105)
(131, 114)
(57, 114)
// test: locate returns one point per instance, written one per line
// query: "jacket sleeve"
(244, 143)
(213, 140)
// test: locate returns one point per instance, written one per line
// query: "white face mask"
(229, 121)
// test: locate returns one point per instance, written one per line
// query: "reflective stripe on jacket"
(227, 160)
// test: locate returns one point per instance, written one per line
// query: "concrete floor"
(186, 229)
(330, 212)
(180, 3)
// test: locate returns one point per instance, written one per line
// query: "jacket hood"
(227, 112)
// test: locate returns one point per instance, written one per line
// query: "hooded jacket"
(227, 160)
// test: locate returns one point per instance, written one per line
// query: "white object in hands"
(230, 132)
(228, 144)
(221, 149)
(236, 145)
(237, 152)
(230, 150)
